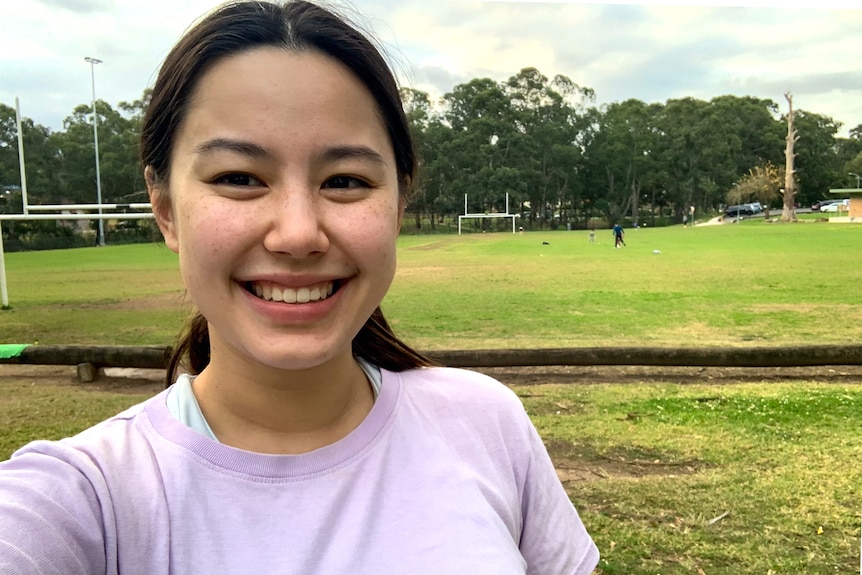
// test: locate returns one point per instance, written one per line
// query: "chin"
(295, 360)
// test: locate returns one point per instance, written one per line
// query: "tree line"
(565, 161)
(562, 159)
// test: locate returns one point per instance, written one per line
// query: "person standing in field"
(618, 236)
(298, 434)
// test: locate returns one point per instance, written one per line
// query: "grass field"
(650, 466)
(670, 479)
(731, 285)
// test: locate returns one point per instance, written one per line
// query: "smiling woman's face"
(283, 206)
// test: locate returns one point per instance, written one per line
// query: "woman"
(306, 438)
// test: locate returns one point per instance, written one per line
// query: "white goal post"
(489, 215)
(4, 293)
(61, 211)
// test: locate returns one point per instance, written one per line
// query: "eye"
(239, 180)
(345, 182)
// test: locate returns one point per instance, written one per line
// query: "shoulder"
(461, 397)
(457, 386)
(89, 451)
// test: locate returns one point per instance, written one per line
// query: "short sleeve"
(51, 523)
(554, 540)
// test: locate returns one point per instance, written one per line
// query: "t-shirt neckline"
(262, 466)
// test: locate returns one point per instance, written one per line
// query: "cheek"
(208, 231)
(376, 232)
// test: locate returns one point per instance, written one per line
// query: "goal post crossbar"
(487, 215)
(484, 216)
(65, 207)
(111, 216)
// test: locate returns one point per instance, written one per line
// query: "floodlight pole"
(93, 62)
(21, 156)
(858, 179)
(4, 293)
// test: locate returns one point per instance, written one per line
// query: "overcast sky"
(646, 51)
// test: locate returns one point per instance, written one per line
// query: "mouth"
(269, 291)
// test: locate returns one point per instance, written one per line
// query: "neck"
(275, 411)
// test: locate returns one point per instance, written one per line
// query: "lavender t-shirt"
(445, 476)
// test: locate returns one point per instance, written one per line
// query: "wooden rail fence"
(155, 357)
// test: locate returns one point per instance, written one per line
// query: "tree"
(120, 170)
(850, 153)
(692, 150)
(620, 154)
(475, 157)
(752, 130)
(41, 157)
(547, 116)
(853, 169)
(818, 163)
(788, 213)
(761, 183)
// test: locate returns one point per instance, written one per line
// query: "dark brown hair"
(299, 26)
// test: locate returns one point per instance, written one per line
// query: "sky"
(648, 51)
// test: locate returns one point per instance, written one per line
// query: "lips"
(269, 291)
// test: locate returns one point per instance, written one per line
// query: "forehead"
(271, 94)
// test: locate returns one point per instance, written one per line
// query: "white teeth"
(290, 295)
(303, 295)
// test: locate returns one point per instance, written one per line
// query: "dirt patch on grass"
(585, 375)
(152, 380)
(144, 382)
(575, 463)
(158, 302)
(429, 246)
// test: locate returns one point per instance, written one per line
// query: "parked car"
(737, 211)
(818, 206)
(838, 206)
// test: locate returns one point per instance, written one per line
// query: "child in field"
(305, 437)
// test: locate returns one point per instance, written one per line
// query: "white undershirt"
(183, 404)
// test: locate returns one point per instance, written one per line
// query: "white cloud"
(648, 51)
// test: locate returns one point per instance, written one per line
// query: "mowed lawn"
(670, 479)
(732, 285)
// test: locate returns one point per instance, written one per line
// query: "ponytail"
(192, 353)
(375, 343)
(378, 344)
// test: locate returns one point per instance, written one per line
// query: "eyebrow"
(230, 145)
(348, 151)
(249, 149)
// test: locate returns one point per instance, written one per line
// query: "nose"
(295, 224)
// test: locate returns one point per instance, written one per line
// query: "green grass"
(733, 285)
(649, 466)
(36, 410)
(725, 285)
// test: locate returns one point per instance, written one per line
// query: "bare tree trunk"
(788, 213)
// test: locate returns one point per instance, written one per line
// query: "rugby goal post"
(487, 215)
(61, 211)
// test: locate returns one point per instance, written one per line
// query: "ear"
(162, 209)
